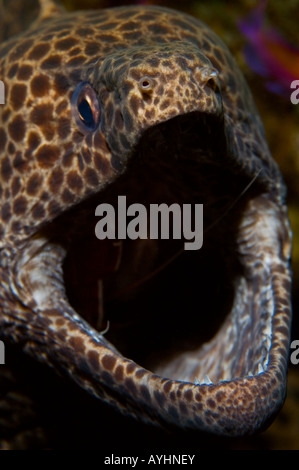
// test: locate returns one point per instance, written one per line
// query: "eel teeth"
(206, 380)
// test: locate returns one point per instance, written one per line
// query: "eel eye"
(85, 107)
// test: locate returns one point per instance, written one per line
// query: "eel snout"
(141, 87)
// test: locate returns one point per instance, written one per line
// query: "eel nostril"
(211, 83)
(208, 76)
(146, 84)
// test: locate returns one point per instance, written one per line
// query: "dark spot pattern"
(47, 155)
(20, 205)
(17, 96)
(51, 62)
(17, 128)
(40, 85)
(25, 72)
(65, 44)
(39, 51)
(34, 184)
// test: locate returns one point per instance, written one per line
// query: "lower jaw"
(194, 317)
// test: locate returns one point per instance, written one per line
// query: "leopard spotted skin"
(145, 66)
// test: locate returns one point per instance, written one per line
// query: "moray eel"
(146, 102)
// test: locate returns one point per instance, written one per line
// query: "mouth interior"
(165, 307)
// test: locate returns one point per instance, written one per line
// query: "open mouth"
(144, 289)
(202, 316)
